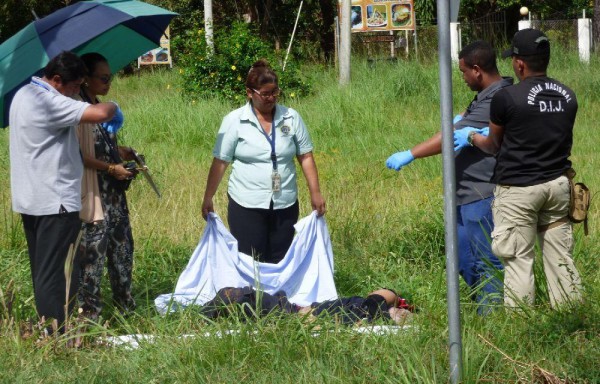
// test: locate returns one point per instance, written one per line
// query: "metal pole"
(345, 37)
(292, 38)
(445, 64)
(208, 26)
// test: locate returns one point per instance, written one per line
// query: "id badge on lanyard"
(275, 181)
(275, 176)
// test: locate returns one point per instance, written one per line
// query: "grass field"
(386, 227)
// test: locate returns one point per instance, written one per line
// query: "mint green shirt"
(242, 142)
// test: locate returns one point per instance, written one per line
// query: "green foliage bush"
(224, 72)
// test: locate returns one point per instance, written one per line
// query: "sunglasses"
(275, 93)
(105, 79)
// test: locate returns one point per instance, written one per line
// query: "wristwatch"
(470, 138)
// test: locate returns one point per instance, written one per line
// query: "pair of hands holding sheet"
(461, 139)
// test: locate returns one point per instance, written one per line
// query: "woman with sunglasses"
(261, 140)
(107, 235)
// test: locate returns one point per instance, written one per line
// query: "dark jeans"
(48, 240)
(264, 233)
(476, 262)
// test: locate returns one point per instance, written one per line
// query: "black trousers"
(264, 233)
(48, 240)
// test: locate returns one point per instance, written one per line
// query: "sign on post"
(160, 55)
(382, 15)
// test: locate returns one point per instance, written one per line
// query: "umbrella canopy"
(120, 30)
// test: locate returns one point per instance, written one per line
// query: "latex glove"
(457, 118)
(485, 131)
(113, 125)
(461, 137)
(399, 160)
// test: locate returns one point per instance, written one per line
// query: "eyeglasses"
(105, 79)
(275, 93)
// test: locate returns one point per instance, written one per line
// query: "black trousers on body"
(265, 234)
(48, 240)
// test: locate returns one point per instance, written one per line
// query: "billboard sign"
(160, 55)
(382, 15)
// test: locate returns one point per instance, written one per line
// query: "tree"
(16, 14)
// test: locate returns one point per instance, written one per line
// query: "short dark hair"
(67, 65)
(480, 53)
(536, 63)
(91, 60)
(260, 74)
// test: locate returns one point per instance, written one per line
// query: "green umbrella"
(120, 30)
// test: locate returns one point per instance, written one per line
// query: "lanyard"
(271, 140)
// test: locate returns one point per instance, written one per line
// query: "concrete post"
(345, 42)
(584, 34)
(524, 24)
(455, 41)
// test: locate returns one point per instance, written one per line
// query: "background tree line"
(274, 19)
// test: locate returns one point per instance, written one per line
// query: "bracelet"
(470, 138)
(111, 169)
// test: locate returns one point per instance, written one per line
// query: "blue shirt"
(242, 142)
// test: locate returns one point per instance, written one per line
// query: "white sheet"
(305, 273)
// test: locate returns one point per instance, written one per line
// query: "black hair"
(67, 65)
(260, 74)
(480, 53)
(91, 60)
(536, 63)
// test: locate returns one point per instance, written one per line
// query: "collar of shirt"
(37, 81)
(281, 113)
(506, 81)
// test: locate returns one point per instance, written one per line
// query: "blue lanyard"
(270, 140)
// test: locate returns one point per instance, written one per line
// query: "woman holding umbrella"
(107, 232)
(261, 140)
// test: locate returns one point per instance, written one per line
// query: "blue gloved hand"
(457, 118)
(113, 125)
(485, 131)
(399, 160)
(461, 137)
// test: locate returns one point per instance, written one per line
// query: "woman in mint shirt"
(261, 140)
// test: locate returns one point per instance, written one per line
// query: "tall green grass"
(386, 227)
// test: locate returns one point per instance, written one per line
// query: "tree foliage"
(274, 19)
(223, 73)
(16, 14)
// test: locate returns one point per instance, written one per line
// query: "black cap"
(527, 42)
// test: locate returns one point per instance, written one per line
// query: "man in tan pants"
(531, 130)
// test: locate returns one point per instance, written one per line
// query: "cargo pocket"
(504, 242)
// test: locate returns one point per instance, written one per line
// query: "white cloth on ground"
(305, 274)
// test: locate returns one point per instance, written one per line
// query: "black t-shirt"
(538, 115)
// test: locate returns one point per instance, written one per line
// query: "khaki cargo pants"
(520, 215)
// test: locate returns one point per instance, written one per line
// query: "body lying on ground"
(379, 304)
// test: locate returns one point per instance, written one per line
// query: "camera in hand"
(131, 166)
(123, 185)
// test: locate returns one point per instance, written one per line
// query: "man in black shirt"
(531, 130)
(478, 266)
